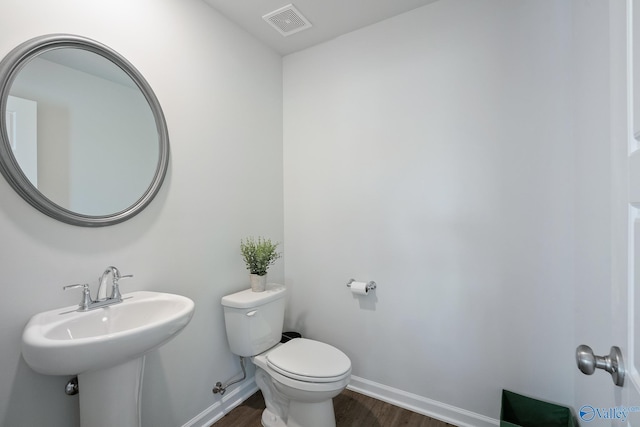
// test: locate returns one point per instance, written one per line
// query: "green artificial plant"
(259, 254)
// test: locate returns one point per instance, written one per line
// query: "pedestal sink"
(105, 348)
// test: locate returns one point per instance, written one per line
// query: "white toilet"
(299, 378)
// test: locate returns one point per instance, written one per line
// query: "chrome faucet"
(87, 303)
(102, 283)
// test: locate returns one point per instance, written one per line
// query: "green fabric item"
(522, 411)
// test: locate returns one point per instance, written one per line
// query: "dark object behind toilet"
(288, 336)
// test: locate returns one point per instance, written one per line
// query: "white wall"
(224, 183)
(591, 105)
(433, 154)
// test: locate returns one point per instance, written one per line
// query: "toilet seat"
(309, 361)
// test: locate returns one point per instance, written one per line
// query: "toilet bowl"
(299, 378)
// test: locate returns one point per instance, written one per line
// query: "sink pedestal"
(111, 397)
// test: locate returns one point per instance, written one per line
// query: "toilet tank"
(254, 319)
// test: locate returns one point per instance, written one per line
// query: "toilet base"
(318, 414)
(303, 415)
(269, 419)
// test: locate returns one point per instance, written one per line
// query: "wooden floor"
(352, 410)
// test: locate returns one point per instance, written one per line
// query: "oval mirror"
(82, 136)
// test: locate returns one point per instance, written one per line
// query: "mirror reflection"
(82, 132)
(83, 138)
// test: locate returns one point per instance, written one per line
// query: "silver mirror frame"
(10, 66)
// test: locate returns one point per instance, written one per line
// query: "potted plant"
(259, 254)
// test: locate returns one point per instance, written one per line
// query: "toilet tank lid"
(248, 299)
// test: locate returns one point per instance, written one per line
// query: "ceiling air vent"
(287, 20)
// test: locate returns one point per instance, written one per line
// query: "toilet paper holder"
(370, 285)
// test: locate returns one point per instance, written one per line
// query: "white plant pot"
(258, 283)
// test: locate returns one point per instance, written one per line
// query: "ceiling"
(329, 18)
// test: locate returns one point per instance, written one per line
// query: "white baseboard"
(431, 408)
(422, 405)
(230, 400)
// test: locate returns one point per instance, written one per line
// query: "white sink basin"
(68, 342)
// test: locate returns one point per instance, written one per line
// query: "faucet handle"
(115, 289)
(77, 285)
(86, 295)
